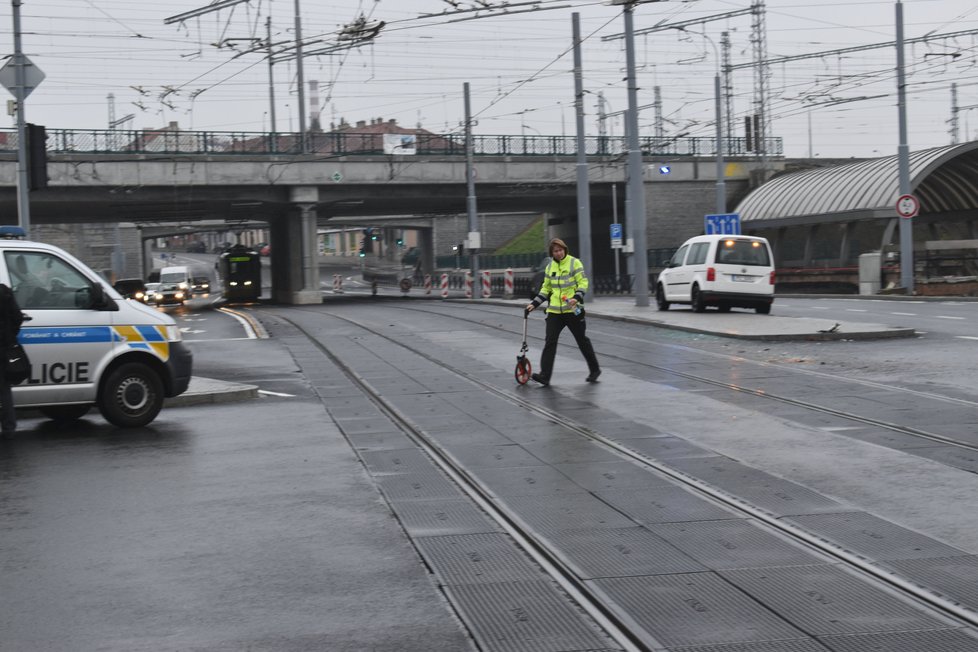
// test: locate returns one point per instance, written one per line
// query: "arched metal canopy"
(944, 179)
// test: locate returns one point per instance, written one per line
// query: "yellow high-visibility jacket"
(561, 281)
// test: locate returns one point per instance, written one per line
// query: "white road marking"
(265, 391)
(966, 337)
(905, 314)
(856, 310)
(948, 317)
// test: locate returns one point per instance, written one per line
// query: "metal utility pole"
(636, 178)
(20, 93)
(271, 79)
(300, 81)
(903, 161)
(583, 194)
(475, 237)
(721, 182)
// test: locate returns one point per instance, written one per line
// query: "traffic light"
(367, 247)
(37, 157)
(400, 242)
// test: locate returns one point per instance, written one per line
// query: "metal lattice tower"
(761, 75)
(660, 125)
(725, 48)
(954, 115)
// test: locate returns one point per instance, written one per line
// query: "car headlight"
(178, 295)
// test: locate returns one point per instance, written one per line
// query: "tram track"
(774, 397)
(619, 626)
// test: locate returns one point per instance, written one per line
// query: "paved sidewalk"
(736, 323)
(211, 390)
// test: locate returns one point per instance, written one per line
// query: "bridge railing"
(121, 141)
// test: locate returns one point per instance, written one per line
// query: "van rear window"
(742, 252)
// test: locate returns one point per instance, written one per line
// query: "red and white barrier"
(508, 283)
(486, 284)
(427, 283)
(444, 286)
(338, 283)
(468, 285)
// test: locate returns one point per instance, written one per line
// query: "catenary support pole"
(583, 192)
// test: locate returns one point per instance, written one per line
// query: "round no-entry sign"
(907, 206)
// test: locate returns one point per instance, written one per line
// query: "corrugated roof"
(942, 178)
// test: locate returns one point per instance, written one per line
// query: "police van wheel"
(132, 396)
(65, 412)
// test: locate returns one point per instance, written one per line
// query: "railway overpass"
(295, 194)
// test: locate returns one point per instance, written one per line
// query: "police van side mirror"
(95, 298)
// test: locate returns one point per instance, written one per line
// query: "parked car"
(131, 288)
(197, 247)
(266, 250)
(725, 271)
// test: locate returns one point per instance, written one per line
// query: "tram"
(240, 270)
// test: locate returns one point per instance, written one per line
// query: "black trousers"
(575, 324)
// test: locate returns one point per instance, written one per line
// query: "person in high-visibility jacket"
(564, 287)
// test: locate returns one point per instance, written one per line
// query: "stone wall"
(110, 249)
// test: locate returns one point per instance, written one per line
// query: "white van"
(87, 345)
(176, 285)
(725, 271)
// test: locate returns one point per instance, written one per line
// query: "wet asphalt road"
(220, 527)
(251, 526)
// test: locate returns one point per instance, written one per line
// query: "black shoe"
(540, 379)
(593, 376)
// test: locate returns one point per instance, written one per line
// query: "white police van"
(87, 345)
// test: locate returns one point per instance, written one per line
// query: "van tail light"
(711, 274)
(772, 277)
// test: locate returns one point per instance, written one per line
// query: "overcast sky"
(519, 67)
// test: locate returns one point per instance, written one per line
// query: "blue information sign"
(615, 236)
(724, 224)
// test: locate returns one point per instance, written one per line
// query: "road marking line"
(948, 317)
(966, 337)
(265, 391)
(856, 310)
(905, 314)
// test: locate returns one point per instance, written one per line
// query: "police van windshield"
(743, 252)
(173, 277)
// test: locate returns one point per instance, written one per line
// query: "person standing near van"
(10, 320)
(564, 287)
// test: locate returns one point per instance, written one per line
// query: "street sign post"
(32, 76)
(907, 206)
(723, 224)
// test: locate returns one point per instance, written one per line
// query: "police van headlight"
(173, 333)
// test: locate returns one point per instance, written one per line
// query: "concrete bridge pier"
(295, 275)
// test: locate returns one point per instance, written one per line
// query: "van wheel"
(696, 299)
(764, 309)
(660, 298)
(131, 396)
(65, 412)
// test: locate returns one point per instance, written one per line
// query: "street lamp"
(721, 189)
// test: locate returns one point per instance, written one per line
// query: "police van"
(87, 345)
